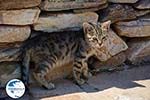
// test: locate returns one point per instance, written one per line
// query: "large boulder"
(134, 28)
(18, 4)
(19, 17)
(14, 33)
(72, 4)
(61, 22)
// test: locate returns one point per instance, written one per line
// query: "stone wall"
(128, 39)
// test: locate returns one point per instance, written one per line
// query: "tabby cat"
(58, 49)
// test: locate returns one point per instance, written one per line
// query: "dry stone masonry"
(19, 17)
(18, 4)
(63, 22)
(46, 5)
(128, 39)
(14, 33)
(135, 28)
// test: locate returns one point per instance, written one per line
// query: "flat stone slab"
(14, 33)
(90, 9)
(62, 87)
(135, 28)
(142, 4)
(118, 12)
(111, 64)
(123, 1)
(9, 45)
(139, 50)
(19, 17)
(48, 5)
(18, 4)
(111, 46)
(61, 22)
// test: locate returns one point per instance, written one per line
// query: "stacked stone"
(130, 21)
(128, 38)
(16, 17)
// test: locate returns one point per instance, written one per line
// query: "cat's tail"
(25, 67)
(10, 54)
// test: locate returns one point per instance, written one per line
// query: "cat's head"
(96, 32)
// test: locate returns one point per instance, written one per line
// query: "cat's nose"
(99, 42)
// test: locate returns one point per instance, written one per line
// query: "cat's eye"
(91, 32)
(94, 38)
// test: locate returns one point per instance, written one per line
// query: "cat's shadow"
(122, 79)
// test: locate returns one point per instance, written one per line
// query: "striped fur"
(56, 49)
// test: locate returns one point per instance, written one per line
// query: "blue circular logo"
(15, 88)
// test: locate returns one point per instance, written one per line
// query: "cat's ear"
(106, 25)
(87, 27)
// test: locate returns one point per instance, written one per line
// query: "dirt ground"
(130, 84)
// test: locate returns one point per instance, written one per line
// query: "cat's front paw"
(87, 75)
(49, 86)
(81, 81)
(90, 75)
